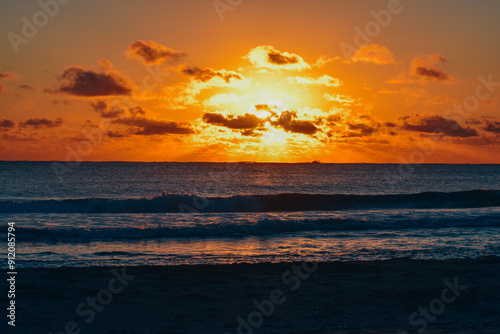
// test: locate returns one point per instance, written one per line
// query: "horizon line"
(262, 162)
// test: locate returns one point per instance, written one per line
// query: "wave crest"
(258, 203)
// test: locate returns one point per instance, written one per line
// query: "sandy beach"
(459, 296)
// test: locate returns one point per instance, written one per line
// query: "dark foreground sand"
(360, 297)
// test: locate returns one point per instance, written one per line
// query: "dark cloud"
(304, 127)
(205, 74)
(80, 82)
(2, 86)
(349, 124)
(146, 126)
(153, 53)
(472, 121)
(39, 123)
(288, 122)
(362, 129)
(250, 122)
(491, 126)
(479, 141)
(137, 111)
(18, 137)
(245, 121)
(105, 110)
(7, 123)
(431, 73)
(250, 133)
(436, 124)
(138, 122)
(333, 119)
(277, 58)
(427, 67)
(26, 87)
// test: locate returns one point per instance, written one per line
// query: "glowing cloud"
(206, 74)
(220, 99)
(342, 99)
(324, 80)
(266, 56)
(185, 94)
(323, 60)
(373, 53)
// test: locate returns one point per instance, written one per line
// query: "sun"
(263, 114)
(275, 137)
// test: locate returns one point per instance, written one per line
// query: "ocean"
(166, 213)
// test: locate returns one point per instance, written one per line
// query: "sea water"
(165, 213)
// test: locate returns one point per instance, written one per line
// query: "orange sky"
(287, 81)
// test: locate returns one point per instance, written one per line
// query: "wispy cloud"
(324, 80)
(39, 123)
(26, 87)
(7, 75)
(342, 99)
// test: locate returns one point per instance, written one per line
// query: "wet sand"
(349, 297)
